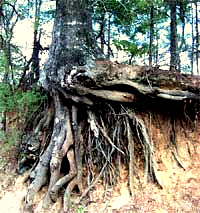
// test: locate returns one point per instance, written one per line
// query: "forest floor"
(181, 192)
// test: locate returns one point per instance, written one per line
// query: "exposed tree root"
(131, 157)
(40, 174)
(95, 142)
(105, 142)
(174, 148)
(175, 155)
(64, 180)
(94, 182)
(150, 169)
(67, 195)
(63, 139)
(78, 146)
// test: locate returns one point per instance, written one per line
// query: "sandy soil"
(181, 194)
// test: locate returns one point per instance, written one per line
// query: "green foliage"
(80, 209)
(29, 100)
(130, 47)
(6, 102)
(19, 105)
(131, 19)
(3, 62)
(19, 101)
(9, 139)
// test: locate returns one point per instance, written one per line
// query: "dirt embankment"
(181, 183)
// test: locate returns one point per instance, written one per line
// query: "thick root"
(105, 144)
(67, 195)
(150, 170)
(67, 178)
(63, 139)
(40, 175)
(131, 153)
(78, 143)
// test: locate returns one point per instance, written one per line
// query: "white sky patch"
(23, 36)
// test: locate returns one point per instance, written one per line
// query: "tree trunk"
(72, 44)
(73, 50)
(193, 41)
(157, 47)
(109, 36)
(173, 36)
(102, 41)
(36, 44)
(197, 37)
(98, 110)
(182, 11)
(151, 35)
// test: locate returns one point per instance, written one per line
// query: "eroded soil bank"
(180, 179)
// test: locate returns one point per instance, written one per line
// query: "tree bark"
(197, 37)
(151, 34)
(173, 36)
(73, 43)
(193, 41)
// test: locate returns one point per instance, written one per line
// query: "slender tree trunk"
(151, 35)
(36, 44)
(173, 36)
(102, 40)
(193, 41)
(33, 65)
(3, 122)
(109, 36)
(156, 57)
(197, 38)
(182, 10)
(7, 61)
